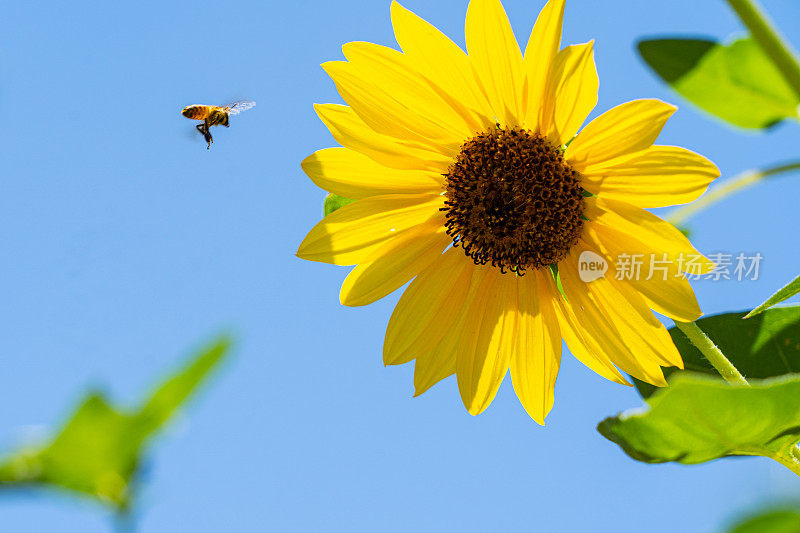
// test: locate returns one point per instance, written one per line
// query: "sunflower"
(471, 180)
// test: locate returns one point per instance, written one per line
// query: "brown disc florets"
(513, 201)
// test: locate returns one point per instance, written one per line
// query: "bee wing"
(237, 107)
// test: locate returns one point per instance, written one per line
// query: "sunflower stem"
(731, 186)
(711, 352)
(771, 41)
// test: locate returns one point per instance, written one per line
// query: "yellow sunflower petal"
(435, 366)
(497, 59)
(628, 308)
(658, 176)
(582, 346)
(537, 354)
(382, 112)
(353, 175)
(484, 350)
(667, 291)
(440, 362)
(543, 45)
(441, 60)
(646, 339)
(614, 309)
(594, 307)
(428, 308)
(395, 262)
(624, 129)
(350, 234)
(351, 132)
(571, 93)
(646, 227)
(390, 68)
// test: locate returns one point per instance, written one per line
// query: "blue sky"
(126, 244)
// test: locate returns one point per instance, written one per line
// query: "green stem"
(711, 352)
(771, 41)
(735, 184)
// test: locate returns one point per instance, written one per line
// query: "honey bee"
(212, 115)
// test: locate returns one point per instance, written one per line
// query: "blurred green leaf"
(774, 521)
(98, 451)
(177, 388)
(736, 82)
(698, 419)
(334, 202)
(784, 294)
(765, 346)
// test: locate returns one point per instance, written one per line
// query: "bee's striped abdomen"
(196, 112)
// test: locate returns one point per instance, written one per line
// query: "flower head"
(471, 179)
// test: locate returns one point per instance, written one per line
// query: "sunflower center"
(513, 201)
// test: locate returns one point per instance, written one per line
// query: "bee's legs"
(207, 135)
(203, 128)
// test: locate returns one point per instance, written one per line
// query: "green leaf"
(774, 521)
(176, 389)
(784, 294)
(98, 451)
(334, 202)
(736, 82)
(765, 346)
(698, 419)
